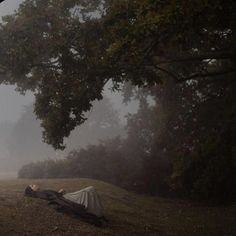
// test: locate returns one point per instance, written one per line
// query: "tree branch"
(196, 75)
(222, 56)
(167, 72)
(207, 74)
(45, 65)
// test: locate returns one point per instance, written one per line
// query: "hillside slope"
(128, 213)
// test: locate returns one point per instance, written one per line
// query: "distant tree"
(104, 161)
(102, 123)
(24, 142)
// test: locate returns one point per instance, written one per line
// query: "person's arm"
(48, 194)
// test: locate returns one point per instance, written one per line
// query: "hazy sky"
(11, 102)
(8, 6)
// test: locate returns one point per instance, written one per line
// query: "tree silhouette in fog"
(24, 143)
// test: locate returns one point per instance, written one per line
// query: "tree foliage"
(66, 51)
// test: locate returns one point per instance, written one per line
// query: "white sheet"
(89, 198)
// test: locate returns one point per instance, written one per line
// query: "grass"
(128, 213)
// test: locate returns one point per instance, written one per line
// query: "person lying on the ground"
(84, 203)
(34, 191)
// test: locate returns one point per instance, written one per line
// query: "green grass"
(128, 213)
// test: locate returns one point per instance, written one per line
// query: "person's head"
(62, 191)
(31, 190)
(34, 187)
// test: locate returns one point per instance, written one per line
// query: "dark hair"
(29, 192)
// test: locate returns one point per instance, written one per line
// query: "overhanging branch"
(200, 57)
(195, 75)
(169, 73)
(206, 74)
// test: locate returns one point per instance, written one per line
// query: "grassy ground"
(129, 214)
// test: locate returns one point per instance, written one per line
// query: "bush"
(209, 174)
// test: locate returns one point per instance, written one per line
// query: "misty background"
(21, 134)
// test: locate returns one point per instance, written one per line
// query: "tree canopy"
(66, 51)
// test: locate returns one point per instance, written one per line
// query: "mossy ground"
(128, 213)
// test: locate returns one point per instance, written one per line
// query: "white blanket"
(89, 198)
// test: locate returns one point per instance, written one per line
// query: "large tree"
(66, 51)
